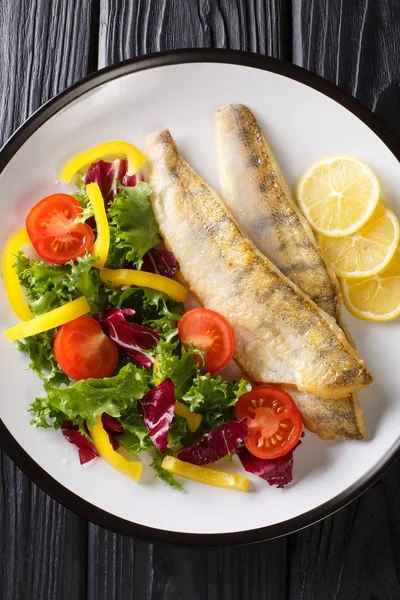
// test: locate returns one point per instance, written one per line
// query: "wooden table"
(46, 551)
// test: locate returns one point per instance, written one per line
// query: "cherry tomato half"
(82, 350)
(273, 420)
(53, 232)
(211, 332)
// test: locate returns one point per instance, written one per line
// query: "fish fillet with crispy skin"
(281, 335)
(256, 193)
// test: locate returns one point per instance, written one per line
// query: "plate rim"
(10, 445)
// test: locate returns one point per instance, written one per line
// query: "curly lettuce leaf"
(152, 308)
(135, 436)
(214, 398)
(85, 280)
(135, 439)
(44, 284)
(160, 311)
(179, 365)
(116, 396)
(179, 435)
(133, 228)
(40, 350)
(50, 286)
(44, 415)
(161, 473)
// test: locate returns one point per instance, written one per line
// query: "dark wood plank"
(136, 27)
(354, 554)
(42, 545)
(248, 572)
(355, 45)
(126, 569)
(44, 47)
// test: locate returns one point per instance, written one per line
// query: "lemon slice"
(366, 252)
(375, 298)
(338, 195)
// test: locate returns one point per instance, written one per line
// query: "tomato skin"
(273, 420)
(82, 350)
(211, 332)
(53, 232)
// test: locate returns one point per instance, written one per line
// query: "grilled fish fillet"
(330, 418)
(281, 335)
(256, 193)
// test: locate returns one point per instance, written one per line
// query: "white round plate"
(305, 119)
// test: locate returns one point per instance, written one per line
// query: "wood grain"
(129, 29)
(44, 47)
(355, 45)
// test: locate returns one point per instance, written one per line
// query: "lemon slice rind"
(380, 266)
(376, 284)
(364, 215)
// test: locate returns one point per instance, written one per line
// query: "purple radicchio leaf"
(113, 426)
(132, 339)
(277, 471)
(161, 262)
(157, 410)
(102, 173)
(86, 449)
(215, 444)
(106, 174)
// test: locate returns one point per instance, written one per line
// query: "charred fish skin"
(256, 193)
(262, 204)
(281, 336)
(330, 418)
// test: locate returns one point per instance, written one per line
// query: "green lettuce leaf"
(85, 279)
(180, 365)
(179, 435)
(40, 350)
(83, 199)
(154, 309)
(116, 396)
(214, 398)
(135, 436)
(87, 209)
(44, 284)
(160, 312)
(50, 286)
(133, 228)
(45, 415)
(160, 473)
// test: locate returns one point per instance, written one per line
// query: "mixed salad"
(123, 365)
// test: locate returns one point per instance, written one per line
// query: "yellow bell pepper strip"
(103, 445)
(157, 372)
(205, 475)
(130, 277)
(11, 279)
(54, 318)
(135, 158)
(102, 243)
(193, 420)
